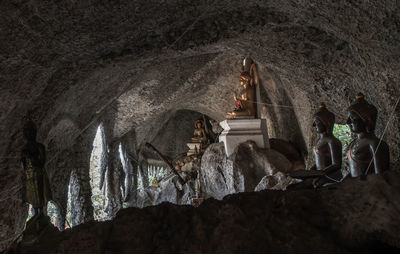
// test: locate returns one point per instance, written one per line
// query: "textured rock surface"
(169, 187)
(241, 171)
(352, 217)
(277, 181)
(131, 64)
(168, 190)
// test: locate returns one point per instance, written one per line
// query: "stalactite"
(60, 182)
(81, 191)
(144, 173)
(103, 158)
(114, 172)
(130, 168)
(80, 197)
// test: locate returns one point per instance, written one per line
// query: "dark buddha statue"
(366, 153)
(36, 188)
(327, 151)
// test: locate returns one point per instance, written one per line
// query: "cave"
(116, 89)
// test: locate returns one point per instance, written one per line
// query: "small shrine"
(200, 140)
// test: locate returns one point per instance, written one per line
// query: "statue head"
(361, 116)
(323, 120)
(30, 130)
(245, 79)
(198, 124)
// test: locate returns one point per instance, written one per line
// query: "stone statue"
(36, 187)
(199, 134)
(245, 106)
(327, 151)
(366, 154)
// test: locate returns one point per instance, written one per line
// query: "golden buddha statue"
(245, 102)
(154, 182)
(199, 134)
(200, 140)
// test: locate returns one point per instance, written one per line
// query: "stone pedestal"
(237, 131)
(196, 148)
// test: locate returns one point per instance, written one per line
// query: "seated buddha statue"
(199, 134)
(246, 98)
(327, 151)
(366, 153)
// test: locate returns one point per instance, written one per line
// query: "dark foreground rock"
(355, 216)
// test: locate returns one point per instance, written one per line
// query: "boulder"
(278, 181)
(289, 150)
(241, 171)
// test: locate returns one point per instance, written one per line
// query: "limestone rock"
(242, 171)
(216, 180)
(168, 190)
(278, 181)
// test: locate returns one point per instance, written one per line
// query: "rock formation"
(242, 171)
(355, 216)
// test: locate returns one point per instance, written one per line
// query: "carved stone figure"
(366, 153)
(36, 187)
(245, 106)
(327, 151)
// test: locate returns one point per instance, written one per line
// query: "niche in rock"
(52, 212)
(173, 135)
(99, 198)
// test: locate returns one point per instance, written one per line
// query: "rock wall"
(242, 171)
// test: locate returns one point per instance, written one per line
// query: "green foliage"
(30, 213)
(342, 132)
(52, 212)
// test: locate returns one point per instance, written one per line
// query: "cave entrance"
(342, 132)
(155, 171)
(52, 212)
(99, 198)
(31, 212)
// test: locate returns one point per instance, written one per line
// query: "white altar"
(237, 131)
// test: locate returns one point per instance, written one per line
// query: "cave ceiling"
(133, 63)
